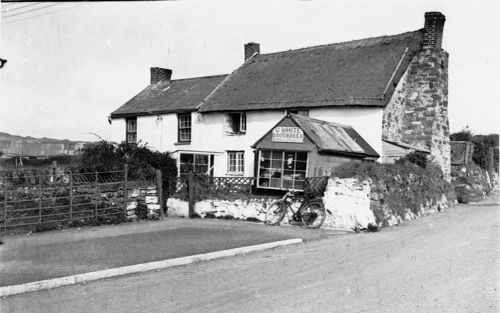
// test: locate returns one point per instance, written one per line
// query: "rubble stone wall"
(417, 113)
(146, 197)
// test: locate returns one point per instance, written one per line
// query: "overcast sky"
(74, 63)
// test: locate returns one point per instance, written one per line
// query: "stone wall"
(347, 202)
(418, 111)
(350, 203)
(143, 200)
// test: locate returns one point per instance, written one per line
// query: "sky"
(71, 64)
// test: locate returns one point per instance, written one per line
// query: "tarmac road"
(448, 262)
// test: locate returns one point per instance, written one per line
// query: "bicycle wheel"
(275, 213)
(313, 214)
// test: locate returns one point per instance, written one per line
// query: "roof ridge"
(293, 115)
(224, 81)
(199, 77)
(342, 43)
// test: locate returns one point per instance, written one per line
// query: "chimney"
(250, 49)
(159, 74)
(433, 31)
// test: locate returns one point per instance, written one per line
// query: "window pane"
(277, 155)
(300, 175)
(200, 169)
(264, 173)
(275, 173)
(266, 154)
(288, 184)
(302, 156)
(201, 159)
(187, 158)
(289, 164)
(288, 174)
(265, 163)
(299, 184)
(186, 168)
(275, 183)
(301, 166)
(264, 182)
(276, 163)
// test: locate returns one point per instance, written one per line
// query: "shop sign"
(287, 134)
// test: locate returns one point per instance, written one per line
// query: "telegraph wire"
(38, 15)
(18, 8)
(32, 10)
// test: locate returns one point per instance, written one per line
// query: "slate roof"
(332, 137)
(174, 96)
(361, 72)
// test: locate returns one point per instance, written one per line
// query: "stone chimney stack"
(250, 49)
(433, 31)
(159, 74)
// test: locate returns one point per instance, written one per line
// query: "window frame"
(229, 123)
(195, 164)
(283, 152)
(181, 127)
(129, 132)
(239, 156)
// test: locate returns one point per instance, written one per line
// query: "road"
(448, 262)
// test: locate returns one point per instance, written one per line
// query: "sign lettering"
(287, 134)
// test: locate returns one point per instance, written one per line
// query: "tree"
(463, 135)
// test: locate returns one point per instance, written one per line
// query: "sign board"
(287, 134)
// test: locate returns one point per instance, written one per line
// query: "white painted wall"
(366, 121)
(159, 132)
(208, 132)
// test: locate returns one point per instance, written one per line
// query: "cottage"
(379, 93)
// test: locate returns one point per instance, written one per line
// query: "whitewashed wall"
(208, 133)
(366, 121)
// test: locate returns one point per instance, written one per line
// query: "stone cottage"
(390, 90)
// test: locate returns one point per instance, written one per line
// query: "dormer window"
(236, 123)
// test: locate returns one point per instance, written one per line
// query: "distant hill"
(14, 145)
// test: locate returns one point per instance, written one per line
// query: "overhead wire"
(31, 16)
(19, 7)
(28, 11)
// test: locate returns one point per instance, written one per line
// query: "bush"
(105, 156)
(470, 183)
(415, 157)
(399, 187)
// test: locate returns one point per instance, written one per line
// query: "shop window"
(236, 123)
(131, 130)
(282, 169)
(235, 162)
(197, 163)
(184, 127)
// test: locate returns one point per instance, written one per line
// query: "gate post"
(191, 194)
(159, 191)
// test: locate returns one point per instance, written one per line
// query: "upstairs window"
(235, 162)
(184, 129)
(236, 123)
(131, 130)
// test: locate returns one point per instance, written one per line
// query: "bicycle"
(311, 212)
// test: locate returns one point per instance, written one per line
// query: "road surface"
(448, 262)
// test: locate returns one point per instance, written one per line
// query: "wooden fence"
(29, 201)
